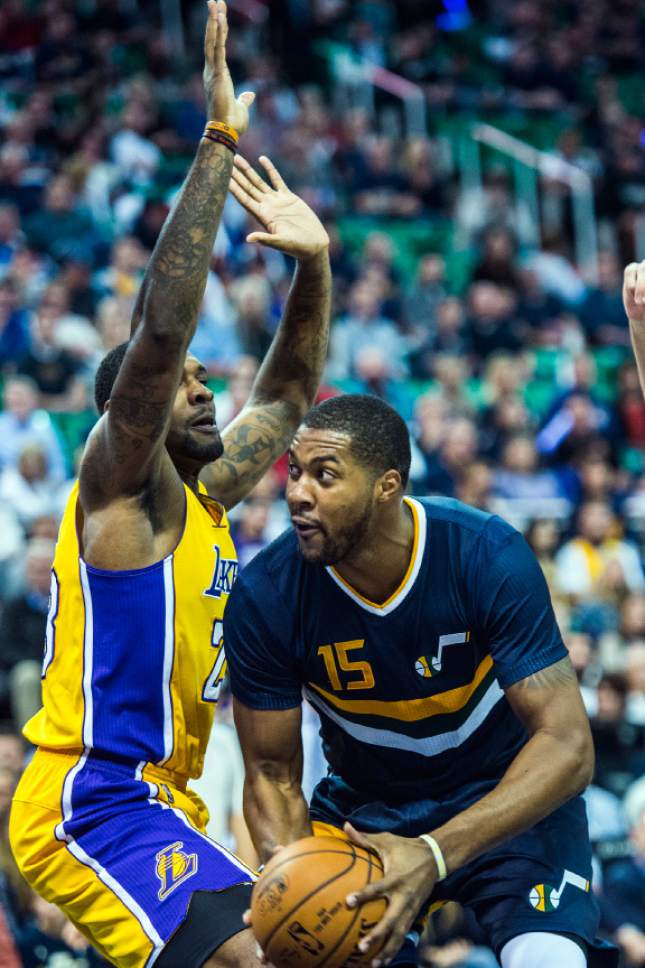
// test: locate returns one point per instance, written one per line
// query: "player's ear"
(388, 486)
(106, 406)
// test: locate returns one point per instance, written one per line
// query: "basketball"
(298, 910)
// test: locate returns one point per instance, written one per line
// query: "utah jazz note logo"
(224, 575)
(174, 866)
(545, 898)
(430, 667)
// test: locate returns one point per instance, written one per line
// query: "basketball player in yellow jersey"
(102, 822)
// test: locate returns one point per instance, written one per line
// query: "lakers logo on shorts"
(174, 866)
(545, 897)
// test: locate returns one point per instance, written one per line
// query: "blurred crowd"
(510, 362)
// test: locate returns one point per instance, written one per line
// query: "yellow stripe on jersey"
(412, 710)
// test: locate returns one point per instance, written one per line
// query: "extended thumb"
(248, 97)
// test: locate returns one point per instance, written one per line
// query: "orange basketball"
(298, 909)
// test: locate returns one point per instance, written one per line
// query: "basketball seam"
(349, 927)
(311, 894)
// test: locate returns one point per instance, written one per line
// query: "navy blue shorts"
(539, 881)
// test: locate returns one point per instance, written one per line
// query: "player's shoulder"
(273, 570)
(451, 515)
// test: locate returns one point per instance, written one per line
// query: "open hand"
(218, 86)
(290, 225)
(634, 292)
(410, 873)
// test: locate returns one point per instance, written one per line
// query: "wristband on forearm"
(222, 134)
(442, 870)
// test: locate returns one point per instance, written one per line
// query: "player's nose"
(299, 494)
(200, 393)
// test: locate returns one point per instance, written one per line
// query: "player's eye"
(294, 470)
(326, 475)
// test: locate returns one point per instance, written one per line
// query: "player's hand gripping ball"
(298, 910)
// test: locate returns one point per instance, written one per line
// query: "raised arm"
(286, 385)
(130, 438)
(274, 807)
(634, 303)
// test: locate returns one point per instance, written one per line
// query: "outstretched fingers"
(221, 36)
(245, 198)
(248, 172)
(275, 177)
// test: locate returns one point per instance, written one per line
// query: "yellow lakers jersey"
(134, 660)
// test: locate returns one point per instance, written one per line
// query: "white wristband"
(442, 870)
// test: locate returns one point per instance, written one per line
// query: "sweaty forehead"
(311, 444)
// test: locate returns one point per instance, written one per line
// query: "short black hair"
(107, 374)
(379, 436)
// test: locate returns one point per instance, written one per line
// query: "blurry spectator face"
(13, 161)
(128, 255)
(450, 371)
(9, 222)
(597, 478)
(46, 526)
(609, 277)
(632, 616)
(59, 196)
(450, 315)
(637, 835)
(611, 698)
(20, 397)
(40, 555)
(372, 365)
(32, 464)
(255, 516)
(7, 786)
(628, 381)
(595, 521)
(8, 298)
(504, 374)
(543, 537)
(135, 117)
(520, 455)
(635, 667)
(379, 155)
(580, 651)
(582, 412)
(460, 445)
(378, 247)
(114, 321)
(241, 381)
(511, 414)
(364, 302)
(432, 269)
(12, 753)
(499, 246)
(584, 370)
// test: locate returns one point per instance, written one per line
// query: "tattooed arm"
(286, 385)
(127, 448)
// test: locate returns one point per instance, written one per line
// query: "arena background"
(481, 170)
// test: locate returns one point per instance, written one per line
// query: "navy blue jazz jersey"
(410, 692)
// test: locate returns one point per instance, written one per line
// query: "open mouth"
(306, 529)
(206, 424)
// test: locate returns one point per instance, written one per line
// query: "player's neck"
(379, 567)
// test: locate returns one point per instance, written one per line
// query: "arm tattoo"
(560, 673)
(173, 286)
(251, 447)
(297, 356)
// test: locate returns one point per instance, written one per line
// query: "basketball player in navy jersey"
(452, 722)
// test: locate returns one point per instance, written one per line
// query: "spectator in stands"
(619, 744)
(27, 489)
(601, 311)
(623, 897)
(122, 277)
(595, 562)
(22, 632)
(447, 465)
(14, 325)
(635, 676)
(21, 422)
(364, 326)
(52, 368)
(62, 228)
